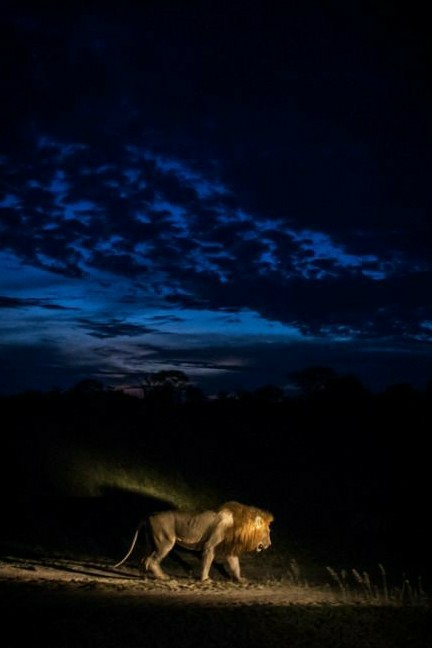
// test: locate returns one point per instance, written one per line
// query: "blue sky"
(236, 198)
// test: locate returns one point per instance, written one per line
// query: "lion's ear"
(259, 522)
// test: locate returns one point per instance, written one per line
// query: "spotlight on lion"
(84, 473)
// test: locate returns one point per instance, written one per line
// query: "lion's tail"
(132, 547)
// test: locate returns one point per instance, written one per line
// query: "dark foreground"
(63, 619)
(82, 614)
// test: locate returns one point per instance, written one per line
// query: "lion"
(223, 535)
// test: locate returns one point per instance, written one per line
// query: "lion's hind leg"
(152, 562)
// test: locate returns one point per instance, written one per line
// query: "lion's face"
(262, 533)
(250, 530)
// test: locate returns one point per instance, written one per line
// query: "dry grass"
(360, 587)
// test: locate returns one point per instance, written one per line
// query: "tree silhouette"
(166, 386)
(87, 387)
(269, 394)
(314, 380)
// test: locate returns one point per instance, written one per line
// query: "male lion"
(223, 534)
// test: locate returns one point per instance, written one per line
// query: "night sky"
(236, 190)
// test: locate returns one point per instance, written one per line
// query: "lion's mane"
(244, 535)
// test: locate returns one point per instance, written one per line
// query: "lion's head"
(250, 531)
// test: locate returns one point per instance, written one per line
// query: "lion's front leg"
(209, 549)
(233, 563)
(207, 560)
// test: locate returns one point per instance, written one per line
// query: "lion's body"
(223, 534)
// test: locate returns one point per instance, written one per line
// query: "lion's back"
(188, 528)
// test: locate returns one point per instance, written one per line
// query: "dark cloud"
(222, 258)
(112, 328)
(222, 158)
(38, 367)
(28, 302)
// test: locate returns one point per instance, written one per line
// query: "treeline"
(331, 425)
(174, 386)
(327, 417)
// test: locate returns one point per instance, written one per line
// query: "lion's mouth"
(260, 547)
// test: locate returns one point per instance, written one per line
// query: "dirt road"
(63, 602)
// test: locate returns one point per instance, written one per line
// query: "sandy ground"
(74, 575)
(64, 602)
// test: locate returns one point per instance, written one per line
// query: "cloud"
(38, 367)
(17, 302)
(113, 328)
(201, 249)
(277, 164)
